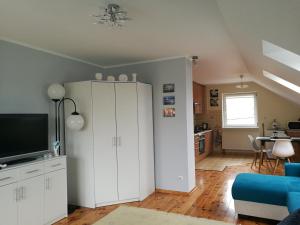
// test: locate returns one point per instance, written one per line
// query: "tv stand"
(34, 192)
(18, 161)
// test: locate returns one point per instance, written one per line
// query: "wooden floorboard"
(211, 200)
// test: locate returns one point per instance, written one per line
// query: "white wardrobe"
(111, 160)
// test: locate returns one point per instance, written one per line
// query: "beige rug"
(125, 215)
(219, 162)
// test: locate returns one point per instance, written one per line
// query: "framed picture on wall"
(214, 102)
(169, 112)
(214, 93)
(168, 88)
(169, 100)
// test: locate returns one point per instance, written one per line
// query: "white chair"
(282, 150)
(259, 153)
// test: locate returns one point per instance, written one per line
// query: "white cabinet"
(9, 206)
(55, 195)
(34, 193)
(104, 165)
(31, 201)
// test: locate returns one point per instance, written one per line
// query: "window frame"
(224, 111)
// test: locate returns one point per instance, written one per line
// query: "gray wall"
(174, 153)
(25, 75)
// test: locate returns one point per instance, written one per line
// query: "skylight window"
(281, 55)
(282, 81)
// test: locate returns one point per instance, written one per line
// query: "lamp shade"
(75, 121)
(56, 91)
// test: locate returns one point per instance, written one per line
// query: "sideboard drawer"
(55, 164)
(31, 171)
(8, 177)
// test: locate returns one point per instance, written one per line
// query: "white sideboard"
(34, 193)
(111, 160)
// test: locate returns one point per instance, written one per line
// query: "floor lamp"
(75, 121)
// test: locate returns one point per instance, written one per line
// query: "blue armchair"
(268, 196)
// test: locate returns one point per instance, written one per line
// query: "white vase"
(134, 75)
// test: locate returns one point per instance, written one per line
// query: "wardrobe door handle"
(119, 141)
(114, 141)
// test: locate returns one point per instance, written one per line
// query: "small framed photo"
(168, 88)
(169, 112)
(169, 100)
(214, 102)
(214, 93)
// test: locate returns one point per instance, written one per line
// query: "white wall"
(25, 75)
(173, 137)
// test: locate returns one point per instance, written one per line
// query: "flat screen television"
(22, 135)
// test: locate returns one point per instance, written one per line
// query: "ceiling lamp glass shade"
(75, 121)
(242, 85)
(56, 92)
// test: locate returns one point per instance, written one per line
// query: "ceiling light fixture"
(242, 85)
(113, 16)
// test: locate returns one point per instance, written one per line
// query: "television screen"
(23, 134)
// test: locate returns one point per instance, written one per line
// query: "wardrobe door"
(105, 155)
(127, 140)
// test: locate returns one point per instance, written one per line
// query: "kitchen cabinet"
(198, 98)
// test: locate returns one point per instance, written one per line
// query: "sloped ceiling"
(276, 21)
(225, 34)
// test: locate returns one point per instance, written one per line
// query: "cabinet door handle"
(17, 194)
(119, 141)
(56, 165)
(5, 178)
(21, 193)
(32, 171)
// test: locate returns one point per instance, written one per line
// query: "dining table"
(264, 139)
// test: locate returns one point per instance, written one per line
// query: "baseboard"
(116, 202)
(246, 151)
(164, 191)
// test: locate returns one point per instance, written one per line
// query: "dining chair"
(260, 153)
(282, 150)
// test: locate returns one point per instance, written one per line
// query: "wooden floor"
(212, 200)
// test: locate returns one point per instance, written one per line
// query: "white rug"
(125, 215)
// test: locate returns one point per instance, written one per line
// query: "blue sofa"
(268, 196)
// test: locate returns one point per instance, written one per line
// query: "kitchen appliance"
(294, 125)
(197, 129)
(201, 144)
(204, 126)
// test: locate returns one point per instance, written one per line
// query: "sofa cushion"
(293, 201)
(268, 189)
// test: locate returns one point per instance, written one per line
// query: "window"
(239, 110)
(281, 81)
(281, 55)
